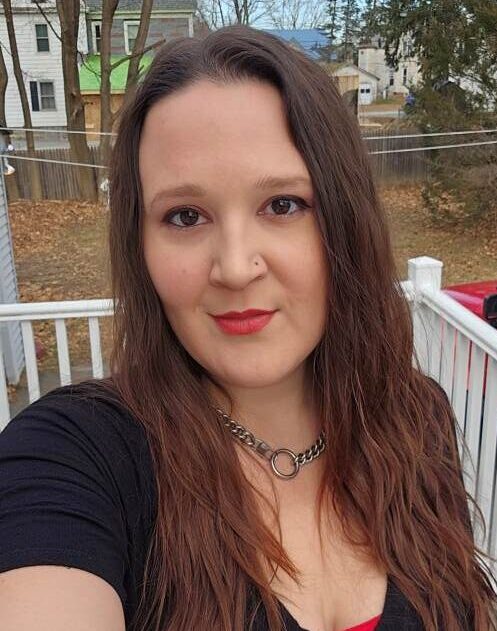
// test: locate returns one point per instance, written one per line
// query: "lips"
(243, 322)
(241, 315)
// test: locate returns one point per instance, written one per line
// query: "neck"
(281, 414)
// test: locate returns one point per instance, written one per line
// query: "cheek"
(178, 282)
(308, 276)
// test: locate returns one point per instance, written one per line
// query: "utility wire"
(468, 144)
(110, 133)
(60, 131)
(437, 133)
(11, 156)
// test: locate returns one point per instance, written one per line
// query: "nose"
(236, 260)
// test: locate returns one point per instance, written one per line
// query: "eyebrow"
(194, 190)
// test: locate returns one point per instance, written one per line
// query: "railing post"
(425, 274)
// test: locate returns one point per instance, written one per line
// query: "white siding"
(372, 59)
(36, 66)
(10, 333)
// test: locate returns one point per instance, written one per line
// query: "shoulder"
(77, 488)
(87, 409)
(86, 427)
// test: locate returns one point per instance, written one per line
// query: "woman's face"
(229, 226)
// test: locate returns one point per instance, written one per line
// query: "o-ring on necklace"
(265, 451)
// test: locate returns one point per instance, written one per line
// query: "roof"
(308, 39)
(344, 65)
(89, 73)
(135, 5)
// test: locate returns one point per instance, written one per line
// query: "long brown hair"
(392, 467)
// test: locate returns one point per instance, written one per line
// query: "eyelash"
(297, 200)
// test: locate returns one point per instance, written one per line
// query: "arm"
(56, 598)
(64, 549)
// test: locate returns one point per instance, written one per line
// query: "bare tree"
(214, 13)
(108, 9)
(218, 13)
(139, 45)
(68, 12)
(107, 116)
(296, 14)
(34, 169)
(10, 182)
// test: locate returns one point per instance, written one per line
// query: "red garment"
(369, 625)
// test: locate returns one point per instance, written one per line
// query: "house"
(309, 40)
(41, 64)
(89, 82)
(169, 19)
(371, 58)
(352, 79)
(40, 50)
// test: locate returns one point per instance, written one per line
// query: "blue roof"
(309, 39)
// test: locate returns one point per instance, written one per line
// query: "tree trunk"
(141, 38)
(68, 11)
(108, 9)
(34, 167)
(10, 182)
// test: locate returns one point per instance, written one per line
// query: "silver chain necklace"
(265, 451)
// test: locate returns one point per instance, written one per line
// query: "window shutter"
(35, 103)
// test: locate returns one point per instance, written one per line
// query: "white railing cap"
(53, 310)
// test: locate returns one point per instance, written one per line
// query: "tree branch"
(140, 52)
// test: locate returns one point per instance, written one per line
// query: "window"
(96, 27)
(130, 33)
(392, 77)
(407, 48)
(42, 95)
(42, 44)
(404, 76)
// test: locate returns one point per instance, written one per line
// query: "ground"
(60, 253)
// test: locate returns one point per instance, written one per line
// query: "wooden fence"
(411, 166)
(59, 181)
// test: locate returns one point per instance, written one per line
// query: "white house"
(371, 57)
(40, 56)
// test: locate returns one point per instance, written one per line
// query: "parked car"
(479, 297)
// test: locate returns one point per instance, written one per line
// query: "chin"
(239, 376)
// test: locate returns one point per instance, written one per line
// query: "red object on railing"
(479, 297)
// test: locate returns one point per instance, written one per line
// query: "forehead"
(233, 131)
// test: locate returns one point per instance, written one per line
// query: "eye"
(286, 206)
(184, 218)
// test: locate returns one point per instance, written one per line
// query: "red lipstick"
(243, 322)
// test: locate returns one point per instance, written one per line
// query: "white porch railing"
(453, 345)
(59, 313)
(459, 350)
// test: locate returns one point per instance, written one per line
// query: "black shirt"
(77, 489)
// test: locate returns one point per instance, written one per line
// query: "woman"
(264, 455)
